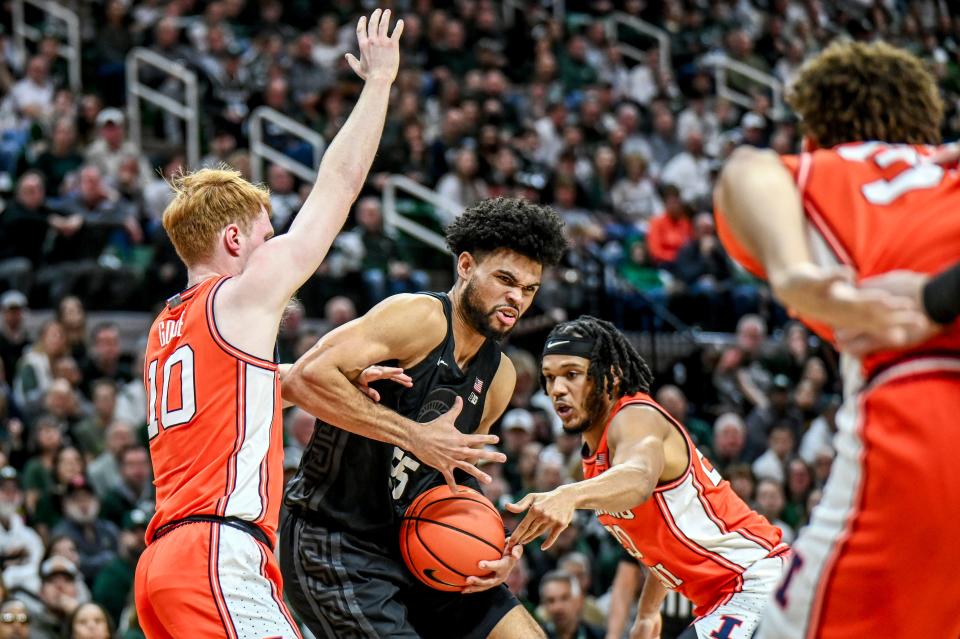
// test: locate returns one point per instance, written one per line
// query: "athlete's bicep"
(498, 397)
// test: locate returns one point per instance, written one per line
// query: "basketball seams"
(474, 497)
(423, 544)
(451, 527)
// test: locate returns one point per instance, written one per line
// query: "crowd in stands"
(490, 101)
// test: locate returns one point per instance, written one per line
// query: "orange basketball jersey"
(694, 533)
(215, 421)
(876, 208)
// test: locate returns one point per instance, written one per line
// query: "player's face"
(571, 391)
(498, 291)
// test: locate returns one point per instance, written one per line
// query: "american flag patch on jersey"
(478, 385)
(602, 459)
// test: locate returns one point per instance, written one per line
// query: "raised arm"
(403, 328)
(280, 266)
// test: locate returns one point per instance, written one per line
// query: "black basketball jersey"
(349, 482)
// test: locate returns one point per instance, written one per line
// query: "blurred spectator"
(96, 538)
(299, 431)
(284, 199)
(21, 548)
(33, 95)
(35, 371)
(15, 622)
(111, 148)
(704, 268)
(742, 481)
(61, 159)
(89, 621)
(13, 331)
(563, 602)
(133, 491)
(689, 170)
(51, 488)
(106, 359)
(463, 186)
(113, 585)
(634, 196)
(779, 410)
(58, 598)
(578, 565)
(729, 441)
(23, 232)
(770, 502)
(337, 312)
(104, 471)
(740, 376)
(772, 463)
(90, 435)
(675, 403)
(73, 317)
(670, 229)
(798, 488)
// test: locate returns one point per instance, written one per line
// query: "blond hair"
(204, 203)
(856, 92)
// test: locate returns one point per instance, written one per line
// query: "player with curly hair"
(367, 462)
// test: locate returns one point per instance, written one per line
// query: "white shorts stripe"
(819, 544)
(247, 593)
(246, 501)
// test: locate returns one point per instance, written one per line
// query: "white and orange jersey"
(694, 533)
(215, 421)
(875, 207)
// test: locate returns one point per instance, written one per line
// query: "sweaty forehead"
(521, 266)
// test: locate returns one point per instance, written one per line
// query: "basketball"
(444, 535)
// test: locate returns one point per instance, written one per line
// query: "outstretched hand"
(549, 514)
(379, 52)
(375, 373)
(499, 571)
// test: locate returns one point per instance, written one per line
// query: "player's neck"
(205, 270)
(467, 341)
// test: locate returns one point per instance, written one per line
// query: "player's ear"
(465, 265)
(231, 239)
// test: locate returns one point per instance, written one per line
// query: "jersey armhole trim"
(222, 342)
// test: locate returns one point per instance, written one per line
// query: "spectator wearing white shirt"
(635, 196)
(21, 548)
(33, 95)
(772, 463)
(689, 170)
(111, 147)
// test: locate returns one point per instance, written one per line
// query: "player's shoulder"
(413, 314)
(639, 419)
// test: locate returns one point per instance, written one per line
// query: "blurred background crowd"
(571, 105)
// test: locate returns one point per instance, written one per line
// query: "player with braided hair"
(651, 489)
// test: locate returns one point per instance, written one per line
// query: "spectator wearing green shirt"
(113, 585)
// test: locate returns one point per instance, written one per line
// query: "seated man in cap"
(57, 600)
(96, 539)
(21, 548)
(111, 147)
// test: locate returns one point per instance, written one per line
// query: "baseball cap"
(134, 519)
(781, 382)
(13, 299)
(9, 473)
(57, 565)
(519, 419)
(110, 115)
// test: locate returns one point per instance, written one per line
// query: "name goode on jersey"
(169, 329)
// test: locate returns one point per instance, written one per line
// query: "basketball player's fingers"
(476, 440)
(384, 24)
(448, 477)
(521, 506)
(482, 454)
(554, 534)
(354, 64)
(470, 469)
(397, 30)
(454, 411)
(374, 26)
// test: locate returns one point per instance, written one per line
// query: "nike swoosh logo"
(429, 574)
(441, 363)
(557, 343)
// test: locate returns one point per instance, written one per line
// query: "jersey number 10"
(178, 398)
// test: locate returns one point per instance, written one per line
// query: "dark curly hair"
(856, 92)
(616, 368)
(509, 223)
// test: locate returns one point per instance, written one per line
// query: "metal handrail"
(393, 220)
(71, 51)
(641, 26)
(188, 110)
(510, 8)
(722, 64)
(260, 150)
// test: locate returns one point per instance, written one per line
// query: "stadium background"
(618, 114)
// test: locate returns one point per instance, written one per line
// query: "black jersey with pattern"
(349, 482)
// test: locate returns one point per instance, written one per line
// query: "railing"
(510, 8)
(723, 66)
(188, 110)
(617, 19)
(260, 150)
(70, 51)
(392, 219)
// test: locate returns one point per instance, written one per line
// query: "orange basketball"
(444, 535)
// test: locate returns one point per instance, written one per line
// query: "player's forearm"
(652, 596)
(621, 488)
(323, 390)
(345, 163)
(764, 211)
